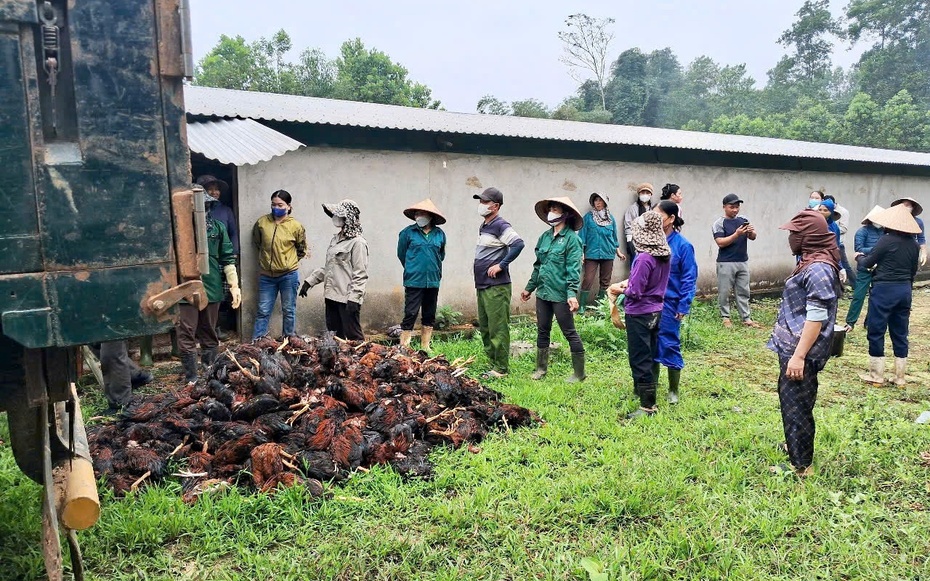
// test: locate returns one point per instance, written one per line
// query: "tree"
(628, 90)
(491, 105)
(586, 45)
(371, 76)
(315, 74)
(530, 108)
(809, 35)
(229, 65)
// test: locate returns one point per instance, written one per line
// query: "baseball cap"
(490, 195)
(731, 199)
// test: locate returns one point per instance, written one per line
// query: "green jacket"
(557, 270)
(421, 255)
(221, 253)
(280, 246)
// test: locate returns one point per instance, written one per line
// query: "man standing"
(732, 233)
(498, 246)
(120, 374)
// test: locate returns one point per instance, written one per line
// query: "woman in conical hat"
(895, 262)
(916, 209)
(866, 238)
(421, 248)
(555, 279)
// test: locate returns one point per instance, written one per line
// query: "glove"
(304, 288)
(843, 276)
(922, 256)
(232, 279)
(353, 308)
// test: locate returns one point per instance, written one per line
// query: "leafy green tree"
(315, 74)
(231, 64)
(371, 76)
(491, 105)
(902, 122)
(628, 89)
(530, 108)
(665, 76)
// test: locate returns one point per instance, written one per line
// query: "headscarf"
(601, 218)
(649, 237)
(349, 211)
(810, 238)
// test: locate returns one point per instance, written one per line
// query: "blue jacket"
(866, 238)
(682, 280)
(600, 242)
(421, 256)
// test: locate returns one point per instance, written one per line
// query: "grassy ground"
(587, 495)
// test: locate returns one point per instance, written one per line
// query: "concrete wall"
(384, 183)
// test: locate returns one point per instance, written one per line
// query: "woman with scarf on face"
(645, 296)
(281, 242)
(345, 273)
(803, 333)
(421, 248)
(601, 245)
(682, 283)
(555, 278)
(642, 205)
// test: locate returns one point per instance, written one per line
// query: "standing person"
(674, 193)
(842, 223)
(682, 284)
(216, 188)
(866, 238)
(120, 374)
(895, 259)
(345, 273)
(421, 248)
(815, 199)
(498, 246)
(921, 237)
(199, 326)
(281, 242)
(599, 237)
(803, 333)
(645, 295)
(556, 276)
(732, 233)
(639, 207)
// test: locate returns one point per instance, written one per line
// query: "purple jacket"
(648, 280)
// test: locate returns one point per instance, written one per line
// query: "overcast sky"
(508, 48)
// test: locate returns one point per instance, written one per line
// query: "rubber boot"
(674, 379)
(900, 369)
(189, 363)
(426, 335)
(542, 363)
(601, 294)
(876, 372)
(578, 373)
(583, 301)
(647, 401)
(208, 356)
(405, 338)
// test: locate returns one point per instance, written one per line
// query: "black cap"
(731, 199)
(490, 195)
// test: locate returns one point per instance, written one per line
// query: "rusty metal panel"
(170, 57)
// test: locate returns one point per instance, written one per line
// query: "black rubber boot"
(542, 363)
(207, 357)
(189, 363)
(674, 379)
(577, 368)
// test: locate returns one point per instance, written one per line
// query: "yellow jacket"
(280, 245)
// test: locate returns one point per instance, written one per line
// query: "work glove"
(305, 288)
(353, 308)
(923, 255)
(232, 279)
(843, 276)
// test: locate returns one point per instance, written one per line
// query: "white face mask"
(644, 198)
(553, 218)
(339, 221)
(484, 210)
(423, 221)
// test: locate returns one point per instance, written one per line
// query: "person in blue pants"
(866, 238)
(682, 283)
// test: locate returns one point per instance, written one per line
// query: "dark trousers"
(343, 321)
(844, 264)
(889, 309)
(863, 282)
(414, 298)
(118, 371)
(642, 338)
(196, 326)
(597, 269)
(544, 313)
(797, 398)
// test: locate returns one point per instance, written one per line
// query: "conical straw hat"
(871, 214)
(917, 207)
(426, 205)
(897, 218)
(574, 220)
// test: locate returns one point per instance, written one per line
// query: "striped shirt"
(495, 240)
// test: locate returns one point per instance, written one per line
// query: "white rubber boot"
(900, 368)
(876, 372)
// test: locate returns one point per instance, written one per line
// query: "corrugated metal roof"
(249, 104)
(238, 141)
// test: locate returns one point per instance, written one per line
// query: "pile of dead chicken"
(299, 412)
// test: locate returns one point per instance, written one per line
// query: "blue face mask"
(278, 212)
(814, 204)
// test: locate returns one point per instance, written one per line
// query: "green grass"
(683, 495)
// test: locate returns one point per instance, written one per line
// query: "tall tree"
(371, 76)
(628, 89)
(491, 105)
(586, 45)
(231, 64)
